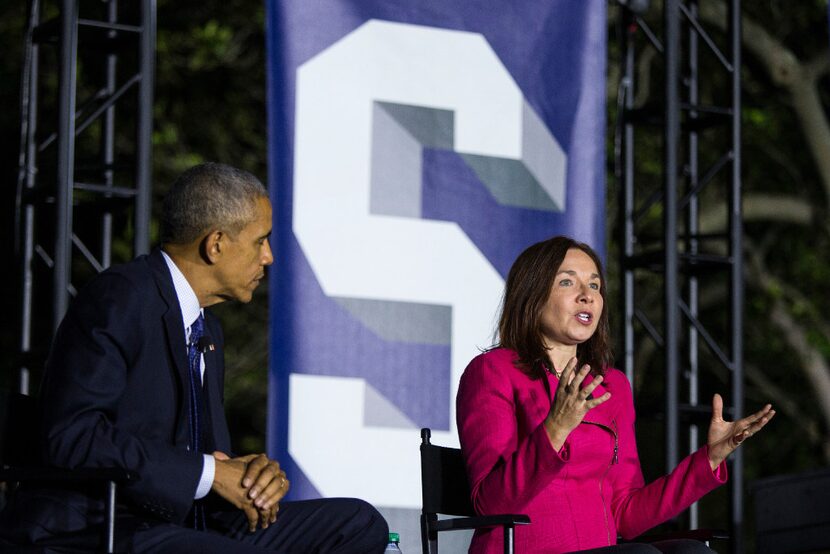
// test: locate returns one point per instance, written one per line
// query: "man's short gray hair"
(206, 197)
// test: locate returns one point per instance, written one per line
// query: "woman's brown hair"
(525, 294)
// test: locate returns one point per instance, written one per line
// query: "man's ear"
(212, 246)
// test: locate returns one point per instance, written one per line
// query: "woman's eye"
(595, 286)
(565, 282)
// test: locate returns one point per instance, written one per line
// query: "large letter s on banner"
(357, 254)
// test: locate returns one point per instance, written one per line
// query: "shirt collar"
(188, 301)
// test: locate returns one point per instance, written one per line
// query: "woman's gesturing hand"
(571, 403)
(726, 436)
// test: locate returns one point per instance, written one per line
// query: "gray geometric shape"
(396, 168)
(402, 321)
(431, 127)
(510, 182)
(543, 157)
(379, 412)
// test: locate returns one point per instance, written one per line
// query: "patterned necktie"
(194, 361)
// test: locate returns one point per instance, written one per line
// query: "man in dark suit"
(135, 380)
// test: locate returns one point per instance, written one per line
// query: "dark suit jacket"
(115, 394)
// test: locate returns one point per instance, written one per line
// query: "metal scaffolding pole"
(671, 147)
(61, 277)
(692, 246)
(144, 154)
(737, 274)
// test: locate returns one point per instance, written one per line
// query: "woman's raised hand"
(726, 436)
(571, 403)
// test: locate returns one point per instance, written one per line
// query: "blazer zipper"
(614, 460)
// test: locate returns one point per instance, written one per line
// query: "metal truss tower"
(681, 230)
(84, 181)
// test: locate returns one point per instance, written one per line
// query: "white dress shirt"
(189, 303)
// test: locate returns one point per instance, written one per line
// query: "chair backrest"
(444, 482)
(19, 443)
(792, 512)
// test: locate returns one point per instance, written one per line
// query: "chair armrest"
(459, 523)
(80, 475)
(695, 534)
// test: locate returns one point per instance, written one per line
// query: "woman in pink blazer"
(547, 426)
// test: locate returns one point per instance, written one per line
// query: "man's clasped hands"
(254, 483)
